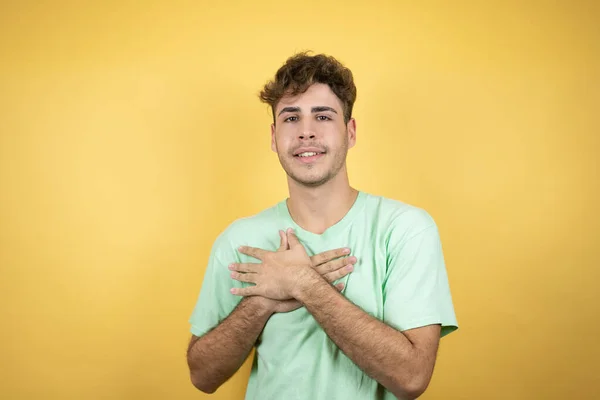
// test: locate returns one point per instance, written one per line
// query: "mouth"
(309, 156)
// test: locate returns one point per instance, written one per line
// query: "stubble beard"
(315, 178)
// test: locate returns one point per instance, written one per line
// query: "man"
(350, 300)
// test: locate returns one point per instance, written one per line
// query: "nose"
(307, 131)
(306, 135)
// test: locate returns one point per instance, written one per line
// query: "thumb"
(283, 243)
(292, 238)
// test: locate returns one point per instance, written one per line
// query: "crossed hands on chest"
(281, 275)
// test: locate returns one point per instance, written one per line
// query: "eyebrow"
(314, 109)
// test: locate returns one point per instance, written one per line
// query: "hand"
(330, 264)
(279, 272)
(276, 306)
(277, 275)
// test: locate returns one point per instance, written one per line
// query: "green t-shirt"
(400, 278)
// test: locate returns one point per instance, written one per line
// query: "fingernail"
(346, 251)
(290, 230)
(352, 259)
(349, 268)
(231, 267)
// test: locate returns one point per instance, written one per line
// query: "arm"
(224, 330)
(402, 362)
(214, 357)
(399, 351)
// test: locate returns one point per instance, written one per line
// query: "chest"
(363, 286)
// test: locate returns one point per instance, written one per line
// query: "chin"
(308, 175)
(310, 181)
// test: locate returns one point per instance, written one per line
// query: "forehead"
(318, 94)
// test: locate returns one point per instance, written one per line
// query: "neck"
(317, 208)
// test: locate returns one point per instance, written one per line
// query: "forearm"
(217, 355)
(382, 352)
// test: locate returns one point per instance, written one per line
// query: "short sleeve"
(416, 291)
(215, 301)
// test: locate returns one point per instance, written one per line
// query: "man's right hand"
(331, 264)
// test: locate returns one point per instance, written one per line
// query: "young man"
(327, 324)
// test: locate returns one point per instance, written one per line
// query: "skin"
(320, 193)
(403, 362)
(320, 196)
(214, 357)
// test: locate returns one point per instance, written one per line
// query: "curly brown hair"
(302, 70)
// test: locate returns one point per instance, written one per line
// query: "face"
(310, 136)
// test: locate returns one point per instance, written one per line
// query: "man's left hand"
(278, 275)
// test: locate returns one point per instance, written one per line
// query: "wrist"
(261, 306)
(306, 280)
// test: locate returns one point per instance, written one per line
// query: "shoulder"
(243, 227)
(400, 220)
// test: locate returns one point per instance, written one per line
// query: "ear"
(273, 142)
(351, 128)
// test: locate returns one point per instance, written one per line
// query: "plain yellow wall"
(131, 135)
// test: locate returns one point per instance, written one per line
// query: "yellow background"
(131, 135)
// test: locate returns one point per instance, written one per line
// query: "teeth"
(307, 154)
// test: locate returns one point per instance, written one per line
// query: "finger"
(337, 274)
(252, 252)
(340, 286)
(244, 277)
(292, 239)
(335, 265)
(247, 291)
(244, 267)
(283, 243)
(329, 255)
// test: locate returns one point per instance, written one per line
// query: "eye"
(290, 119)
(323, 118)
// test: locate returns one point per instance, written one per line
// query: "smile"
(308, 154)
(309, 157)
